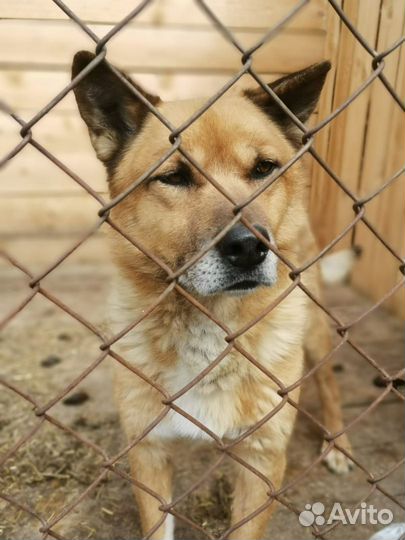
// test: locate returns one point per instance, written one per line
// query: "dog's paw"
(336, 461)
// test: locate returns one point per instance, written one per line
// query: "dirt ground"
(43, 349)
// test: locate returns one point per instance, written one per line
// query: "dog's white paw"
(337, 462)
(169, 527)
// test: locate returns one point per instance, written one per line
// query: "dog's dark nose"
(242, 248)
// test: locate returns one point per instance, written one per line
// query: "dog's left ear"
(299, 91)
(113, 113)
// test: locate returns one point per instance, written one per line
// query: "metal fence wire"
(107, 344)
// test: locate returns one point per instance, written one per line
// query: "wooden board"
(66, 136)
(149, 49)
(320, 184)
(24, 216)
(341, 144)
(28, 91)
(363, 146)
(33, 175)
(253, 14)
(38, 252)
(378, 271)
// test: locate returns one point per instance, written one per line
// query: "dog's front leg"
(151, 466)
(252, 493)
(318, 345)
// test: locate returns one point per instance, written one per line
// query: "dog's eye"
(175, 178)
(263, 168)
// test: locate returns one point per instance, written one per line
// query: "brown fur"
(173, 223)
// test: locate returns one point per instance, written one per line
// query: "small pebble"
(382, 383)
(338, 368)
(81, 422)
(63, 336)
(77, 398)
(398, 383)
(379, 382)
(51, 360)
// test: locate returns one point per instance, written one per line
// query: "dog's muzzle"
(239, 263)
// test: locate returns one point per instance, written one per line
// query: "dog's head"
(239, 141)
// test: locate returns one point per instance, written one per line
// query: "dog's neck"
(183, 341)
(175, 314)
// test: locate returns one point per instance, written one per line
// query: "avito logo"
(365, 514)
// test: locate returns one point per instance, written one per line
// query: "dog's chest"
(176, 349)
(198, 345)
(212, 401)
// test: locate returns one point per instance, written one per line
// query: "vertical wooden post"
(361, 144)
(378, 271)
(341, 142)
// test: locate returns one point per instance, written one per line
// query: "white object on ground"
(395, 531)
(336, 267)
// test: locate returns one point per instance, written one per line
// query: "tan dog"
(240, 141)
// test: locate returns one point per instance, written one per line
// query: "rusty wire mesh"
(41, 410)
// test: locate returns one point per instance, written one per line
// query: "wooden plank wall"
(172, 49)
(364, 146)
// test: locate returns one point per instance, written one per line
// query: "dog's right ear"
(299, 91)
(113, 114)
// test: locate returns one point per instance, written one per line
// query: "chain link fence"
(108, 343)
